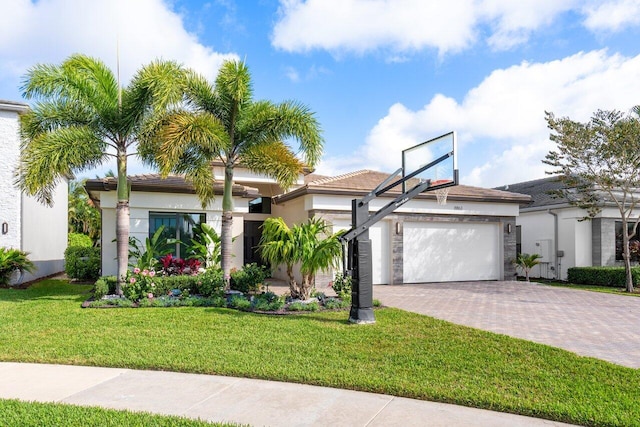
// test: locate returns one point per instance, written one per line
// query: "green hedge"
(82, 263)
(77, 239)
(602, 276)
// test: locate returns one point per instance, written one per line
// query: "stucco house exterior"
(552, 227)
(472, 237)
(25, 223)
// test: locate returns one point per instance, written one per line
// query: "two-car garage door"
(437, 251)
(448, 251)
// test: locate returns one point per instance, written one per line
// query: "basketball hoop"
(441, 195)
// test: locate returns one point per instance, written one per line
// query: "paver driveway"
(588, 323)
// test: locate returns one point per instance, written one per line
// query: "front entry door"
(252, 234)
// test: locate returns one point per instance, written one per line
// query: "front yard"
(403, 354)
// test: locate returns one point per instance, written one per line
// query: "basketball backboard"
(435, 160)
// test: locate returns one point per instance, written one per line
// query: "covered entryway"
(451, 251)
(380, 246)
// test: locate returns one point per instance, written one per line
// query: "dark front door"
(252, 234)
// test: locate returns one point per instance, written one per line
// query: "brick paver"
(593, 324)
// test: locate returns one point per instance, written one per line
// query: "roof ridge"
(329, 179)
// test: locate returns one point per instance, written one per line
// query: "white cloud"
(50, 30)
(612, 16)
(500, 123)
(401, 27)
(361, 26)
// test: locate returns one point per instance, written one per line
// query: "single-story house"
(25, 223)
(552, 227)
(471, 237)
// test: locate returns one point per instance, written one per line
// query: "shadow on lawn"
(50, 289)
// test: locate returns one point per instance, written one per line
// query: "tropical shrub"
(267, 301)
(250, 278)
(171, 266)
(341, 285)
(145, 257)
(239, 302)
(12, 260)
(205, 246)
(211, 283)
(139, 284)
(526, 262)
(78, 239)
(82, 263)
(301, 306)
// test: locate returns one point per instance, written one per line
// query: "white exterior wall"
(574, 239)
(33, 227)
(10, 206)
(44, 231)
(141, 203)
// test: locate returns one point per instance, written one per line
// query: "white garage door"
(380, 248)
(446, 252)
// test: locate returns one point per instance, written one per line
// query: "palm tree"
(252, 133)
(304, 244)
(81, 119)
(526, 262)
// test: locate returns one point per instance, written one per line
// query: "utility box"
(543, 248)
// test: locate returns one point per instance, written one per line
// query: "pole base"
(362, 316)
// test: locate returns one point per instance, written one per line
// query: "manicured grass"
(26, 414)
(403, 354)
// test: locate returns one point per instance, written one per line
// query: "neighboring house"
(472, 237)
(552, 227)
(25, 223)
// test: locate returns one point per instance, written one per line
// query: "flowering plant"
(172, 266)
(139, 284)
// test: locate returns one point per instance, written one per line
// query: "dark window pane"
(177, 226)
(634, 243)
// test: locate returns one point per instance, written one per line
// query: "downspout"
(555, 243)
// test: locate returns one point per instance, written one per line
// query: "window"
(518, 240)
(176, 226)
(634, 242)
(260, 205)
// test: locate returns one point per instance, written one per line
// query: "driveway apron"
(594, 324)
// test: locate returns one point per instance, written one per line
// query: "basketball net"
(441, 195)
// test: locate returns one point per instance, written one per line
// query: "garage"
(451, 251)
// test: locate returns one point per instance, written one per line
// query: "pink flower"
(145, 272)
(152, 273)
(136, 270)
(149, 295)
(132, 280)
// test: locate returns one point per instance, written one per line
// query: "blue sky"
(381, 75)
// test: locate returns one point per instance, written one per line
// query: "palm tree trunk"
(293, 286)
(227, 224)
(122, 222)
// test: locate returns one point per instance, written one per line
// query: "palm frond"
(273, 159)
(52, 156)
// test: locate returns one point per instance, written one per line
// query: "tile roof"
(539, 190)
(361, 182)
(171, 184)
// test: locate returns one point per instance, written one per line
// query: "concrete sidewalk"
(240, 400)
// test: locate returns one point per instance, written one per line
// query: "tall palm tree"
(83, 118)
(252, 133)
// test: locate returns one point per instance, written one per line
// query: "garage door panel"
(441, 252)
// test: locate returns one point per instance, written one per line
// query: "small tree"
(526, 262)
(599, 162)
(301, 244)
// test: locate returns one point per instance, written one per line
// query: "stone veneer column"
(509, 247)
(397, 240)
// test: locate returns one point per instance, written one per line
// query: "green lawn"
(34, 414)
(403, 354)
